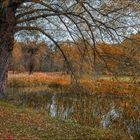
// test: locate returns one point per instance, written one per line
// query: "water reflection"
(110, 116)
(116, 112)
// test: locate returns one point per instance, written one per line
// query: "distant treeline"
(120, 59)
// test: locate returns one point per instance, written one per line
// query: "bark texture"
(7, 25)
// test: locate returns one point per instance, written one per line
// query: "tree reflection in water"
(107, 111)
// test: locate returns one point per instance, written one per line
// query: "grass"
(104, 84)
(36, 79)
(25, 123)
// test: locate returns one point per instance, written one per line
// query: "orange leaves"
(110, 49)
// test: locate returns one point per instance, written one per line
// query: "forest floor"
(26, 123)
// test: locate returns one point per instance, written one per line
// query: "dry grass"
(108, 86)
(36, 79)
(57, 80)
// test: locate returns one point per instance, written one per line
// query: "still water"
(106, 111)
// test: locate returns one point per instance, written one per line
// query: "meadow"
(54, 106)
(103, 84)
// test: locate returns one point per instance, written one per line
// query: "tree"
(35, 55)
(17, 58)
(84, 19)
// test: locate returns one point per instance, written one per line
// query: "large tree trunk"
(5, 58)
(7, 25)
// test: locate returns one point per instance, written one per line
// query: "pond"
(106, 110)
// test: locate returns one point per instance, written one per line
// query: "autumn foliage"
(118, 59)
